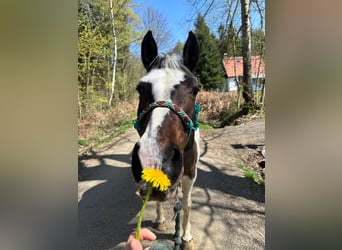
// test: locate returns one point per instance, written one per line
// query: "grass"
(97, 129)
(101, 138)
(251, 174)
(205, 126)
(98, 140)
(117, 131)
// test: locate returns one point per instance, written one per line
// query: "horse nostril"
(162, 196)
(142, 188)
(176, 155)
(142, 192)
(136, 164)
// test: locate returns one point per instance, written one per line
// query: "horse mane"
(168, 61)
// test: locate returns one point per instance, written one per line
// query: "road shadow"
(215, 179)
(105, 210)
(229, 184)
(239, 222)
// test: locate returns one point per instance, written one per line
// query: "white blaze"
(163, 82)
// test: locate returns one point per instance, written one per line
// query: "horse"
(167, 124)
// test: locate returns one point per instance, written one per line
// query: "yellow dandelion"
(156, 178)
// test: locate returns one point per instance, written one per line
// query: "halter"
(175, 108)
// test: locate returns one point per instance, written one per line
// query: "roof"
(228, 63)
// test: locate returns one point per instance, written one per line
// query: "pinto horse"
(167, 124)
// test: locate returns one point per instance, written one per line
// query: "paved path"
(228, 210)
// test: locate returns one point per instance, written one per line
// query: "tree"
(247, 91)
(103, 53)
(222, 39)
(229, 41)
(115, 52)
(258, 49)
(258, 42)
(93, 52)
(155, 21)
(178, 49)
(209, 69)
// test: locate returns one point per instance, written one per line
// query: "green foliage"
(101, 136)
(205, 126)
(228, 36)
(251, 174)
(178, 49)
(258, 42)
(96, 53)
(229, 41)
(83, 142)
(209, 69)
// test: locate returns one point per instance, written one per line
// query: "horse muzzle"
(156, 195)
(171, 164)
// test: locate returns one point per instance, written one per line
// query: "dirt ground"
(228, 210)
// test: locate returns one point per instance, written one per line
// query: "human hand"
(134, 244)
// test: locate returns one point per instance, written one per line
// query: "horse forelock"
(168, 61)
(165, 74)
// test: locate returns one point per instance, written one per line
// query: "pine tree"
(209, 69)
(229, 41)
(178, 49)
(258, 42)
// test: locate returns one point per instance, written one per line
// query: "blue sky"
(175, 12)
(180, 15)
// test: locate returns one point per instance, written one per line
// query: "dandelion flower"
(156, 179)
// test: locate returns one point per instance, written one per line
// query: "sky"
(175, 12)
(180, 16)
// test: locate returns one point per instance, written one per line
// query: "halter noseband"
(175, 108)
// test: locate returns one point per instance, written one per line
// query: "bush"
(214, 106)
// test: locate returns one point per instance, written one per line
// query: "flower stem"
(149, 191)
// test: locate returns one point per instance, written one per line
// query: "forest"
(109, 65)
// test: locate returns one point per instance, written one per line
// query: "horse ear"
(191, 52)
(149, 50)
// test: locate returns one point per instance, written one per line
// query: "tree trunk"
(79, 104)
(257, 84)
(262, 99)
(236, 77)
(247, 91)
(114, 54)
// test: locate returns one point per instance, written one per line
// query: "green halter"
(175, 108)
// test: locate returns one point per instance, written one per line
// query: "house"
(235, 65)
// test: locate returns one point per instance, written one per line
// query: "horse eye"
(194, 91)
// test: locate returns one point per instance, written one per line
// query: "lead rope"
(176, 237)
(178, 205)
(193, 128)
(177, 210)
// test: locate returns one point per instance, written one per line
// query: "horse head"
(167, 113)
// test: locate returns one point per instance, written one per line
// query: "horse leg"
(160, 220)
(187, 184)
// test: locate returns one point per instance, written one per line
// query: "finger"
(146, 234)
